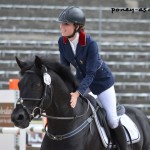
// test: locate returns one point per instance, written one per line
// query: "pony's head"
(39, 79)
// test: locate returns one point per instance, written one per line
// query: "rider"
(80, 50)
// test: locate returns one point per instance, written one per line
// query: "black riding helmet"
(72, 15)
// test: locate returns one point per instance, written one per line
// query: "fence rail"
(15, 130)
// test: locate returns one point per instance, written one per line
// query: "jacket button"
(81, 61)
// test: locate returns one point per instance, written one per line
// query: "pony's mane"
(63, 71)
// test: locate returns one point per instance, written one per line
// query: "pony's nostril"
(20, 117)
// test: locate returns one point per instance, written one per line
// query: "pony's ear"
(38, 62)
(20, 63)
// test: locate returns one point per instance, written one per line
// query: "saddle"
(101, 114)
(131, 130)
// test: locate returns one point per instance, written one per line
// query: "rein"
(75, 131)
(40, 107)
(68, 118)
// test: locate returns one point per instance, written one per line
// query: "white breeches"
(108, 102)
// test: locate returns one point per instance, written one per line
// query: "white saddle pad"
(131, 127)
(126, 121)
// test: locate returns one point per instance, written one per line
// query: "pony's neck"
(60, 107)
(62, 126)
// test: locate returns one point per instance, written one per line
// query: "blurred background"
(28, 28)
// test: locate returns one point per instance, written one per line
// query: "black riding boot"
(120, 137)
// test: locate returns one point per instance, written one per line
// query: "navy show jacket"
(91, 71)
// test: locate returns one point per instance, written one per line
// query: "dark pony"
(45, 89)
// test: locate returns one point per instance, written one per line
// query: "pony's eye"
(36, 85)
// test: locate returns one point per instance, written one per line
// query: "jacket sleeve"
(91, 67)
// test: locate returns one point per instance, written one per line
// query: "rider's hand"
(74, 98)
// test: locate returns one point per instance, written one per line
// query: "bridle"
(47, 84)
(40, 107)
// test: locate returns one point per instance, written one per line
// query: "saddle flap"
(131, 128)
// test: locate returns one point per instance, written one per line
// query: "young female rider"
(82, 52)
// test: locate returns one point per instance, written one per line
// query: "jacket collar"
(82, 39)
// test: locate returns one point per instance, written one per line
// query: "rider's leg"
(108, 101)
